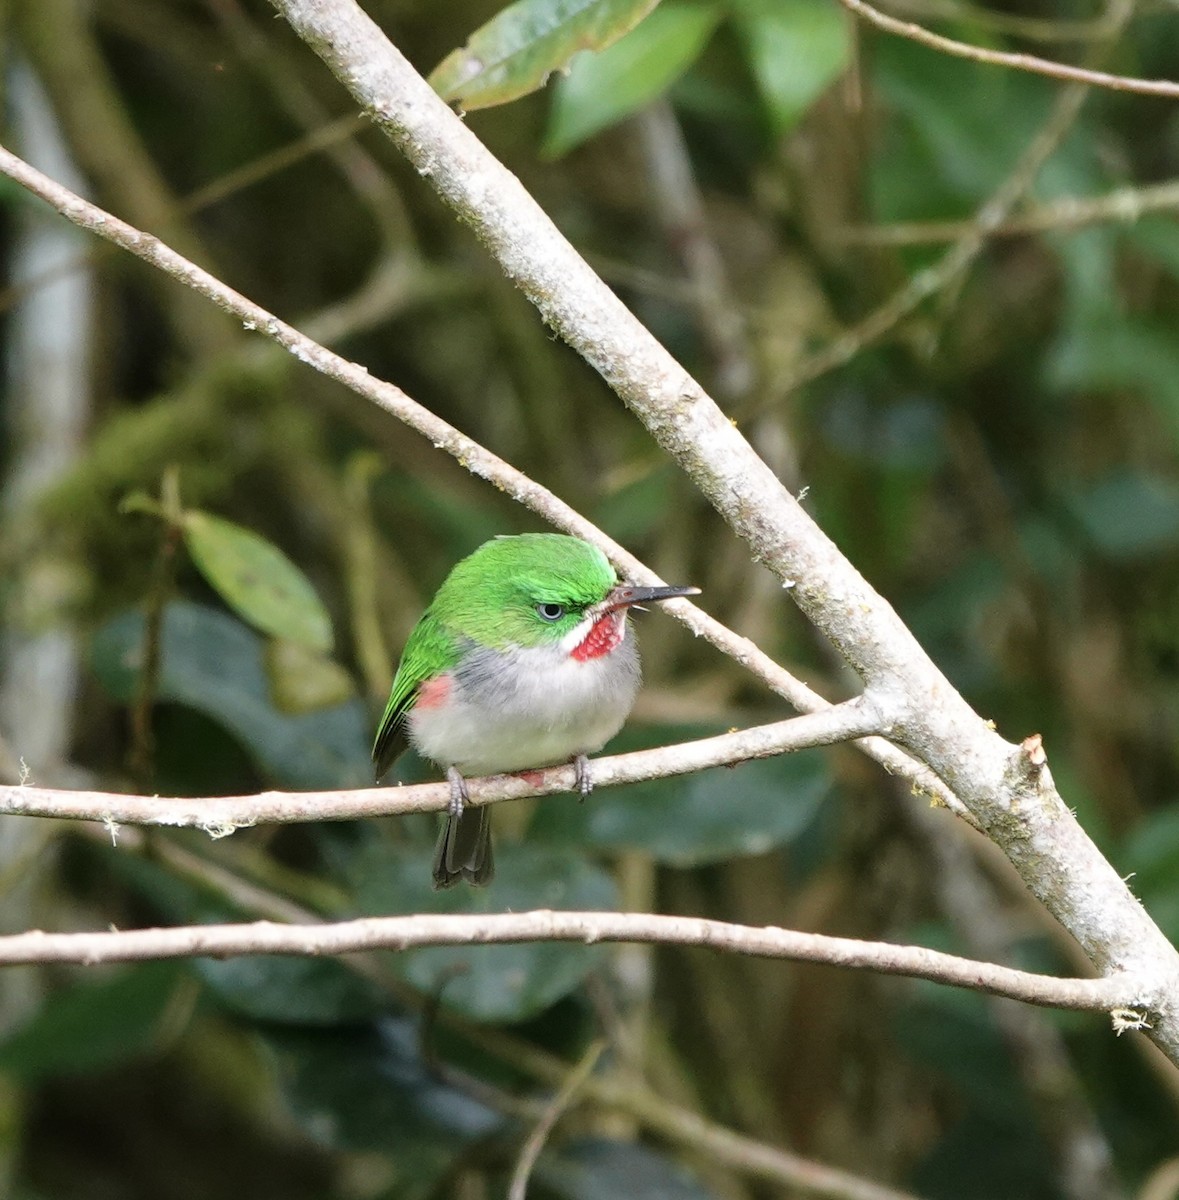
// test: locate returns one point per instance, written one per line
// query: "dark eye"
(551, 612)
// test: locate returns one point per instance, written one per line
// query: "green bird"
(523, 660)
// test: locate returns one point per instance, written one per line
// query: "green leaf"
(687, 821)
(602, 1169)
(601, 89)
(367, 1088)
(257, 580)
(955, 130)
(303, 680)
(795, 49)
(91, 1026)
(142, 502)
(1157, 238)
(1129, 514)
(489, 983)
(1120, 354)
(517, 50)
(213, 663)
(292, 990)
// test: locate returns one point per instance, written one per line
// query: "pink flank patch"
(532, 778)
(433, 693)
(604, 636)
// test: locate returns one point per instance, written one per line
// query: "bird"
(523, 659)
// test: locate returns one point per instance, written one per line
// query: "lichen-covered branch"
(220, 815)
(1109, 994)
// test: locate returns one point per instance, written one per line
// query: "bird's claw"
(585, 784)
(458, 792)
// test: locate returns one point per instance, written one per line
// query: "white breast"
(521, 708)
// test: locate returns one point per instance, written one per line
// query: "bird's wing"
(429, 651)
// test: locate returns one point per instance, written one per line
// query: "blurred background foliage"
(211, 556)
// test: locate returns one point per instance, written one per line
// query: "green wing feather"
(429, 651)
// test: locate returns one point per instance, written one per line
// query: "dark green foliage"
(212, 663)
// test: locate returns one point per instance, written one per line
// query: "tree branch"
(952, 266)
(222, 815)
(1111, 993)
(1125, 206)
(566, 1094)
(1003, 58)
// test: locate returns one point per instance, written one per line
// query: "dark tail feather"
(464, 849)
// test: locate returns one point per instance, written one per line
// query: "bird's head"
(542, 589)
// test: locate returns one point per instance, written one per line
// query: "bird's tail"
(464, 849)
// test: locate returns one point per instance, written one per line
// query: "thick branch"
(223, 814)
(477, 929)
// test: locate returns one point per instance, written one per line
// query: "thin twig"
(478, 929)
(1003, 58)
(1035, 29)
(565, 1096)
(224, 187)
(953, 264)
(949, 271)
(1124, 206)
(221, 815)
(360, 571)
(679, 208)
(141, 757)
(322, 137)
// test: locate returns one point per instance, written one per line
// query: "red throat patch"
(605, 635)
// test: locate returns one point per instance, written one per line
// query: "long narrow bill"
(626, 594)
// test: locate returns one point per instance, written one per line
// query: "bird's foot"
(458, 792)
(585, 784)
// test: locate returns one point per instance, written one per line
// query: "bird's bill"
(627, 594)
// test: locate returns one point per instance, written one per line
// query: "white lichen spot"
(24, 773)
(219, 829)
(1129, 1019)
(249, 325)
(787, 584)
(112, 827)
(803, 492)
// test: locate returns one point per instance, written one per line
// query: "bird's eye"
(551, 612)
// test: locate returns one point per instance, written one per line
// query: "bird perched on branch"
(523, 660)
